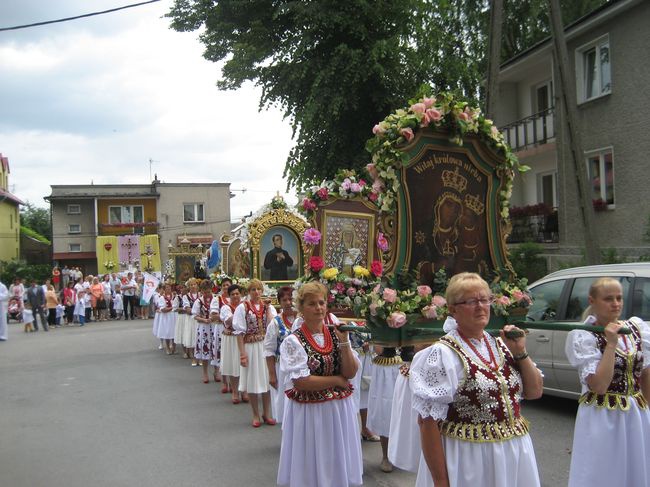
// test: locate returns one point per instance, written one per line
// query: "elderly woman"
(321, 444)
(613, 420)
(467, 390)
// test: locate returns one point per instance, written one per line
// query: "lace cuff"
(428, 409)
(582, 351)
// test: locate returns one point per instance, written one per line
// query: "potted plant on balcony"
(599, 204)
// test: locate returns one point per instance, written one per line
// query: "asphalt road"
(101, 406)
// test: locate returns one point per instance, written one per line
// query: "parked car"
(562, 296)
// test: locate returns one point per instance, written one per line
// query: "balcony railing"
(530, 131)
(536, 223)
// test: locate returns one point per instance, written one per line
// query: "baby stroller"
(15, 310)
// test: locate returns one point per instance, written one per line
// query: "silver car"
(562, 296)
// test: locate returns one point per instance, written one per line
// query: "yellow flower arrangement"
(360, 271)
(330, 273)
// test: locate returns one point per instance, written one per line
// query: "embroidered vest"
(321, 365)
(204, 311)
(227, 329)
(626, 382)
(486, 406)
(283, 332)
(255, 323)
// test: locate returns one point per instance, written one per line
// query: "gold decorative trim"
(613, 401)
(485, 432)
(387, 361)
(372, 222)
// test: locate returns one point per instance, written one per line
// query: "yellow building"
(9, 216)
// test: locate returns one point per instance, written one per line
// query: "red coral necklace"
(328, 344)
(492, 363)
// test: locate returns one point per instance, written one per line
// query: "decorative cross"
(129, 244)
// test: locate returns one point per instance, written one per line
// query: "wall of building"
(9, 231)
(618, 120)
(216, 206)
(61, 220)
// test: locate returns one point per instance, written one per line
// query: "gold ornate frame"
(370, 217)
(280, 217)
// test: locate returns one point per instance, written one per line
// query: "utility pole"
(494, 58)
(567, 94)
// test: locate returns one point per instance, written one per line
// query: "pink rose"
(373, 196)
(428, 102)
(407, 133)
(503, 300)
(439, 301)
(517, 295)
(463, 116)
(378, 186)
(378, 130)
(376, 288)
(430, 312)
(433, 115)
(308, 204)
(340, 287)
(322, 193)
(418, 108)
(425, 121)
(351, 292)
(311, 236)
(397, 319)
(373, 309)
(424, 291)
(372, 170)
(390, 295)
(346, 184)
(382, 243)
(362, 182)
(355, 188)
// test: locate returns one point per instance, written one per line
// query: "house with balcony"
(196, 212)
(9, 216)
(606, 52)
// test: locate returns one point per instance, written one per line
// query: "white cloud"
(95, 99)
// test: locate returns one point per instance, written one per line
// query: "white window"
(125, 214)
(600, 169)
(74, 228)
(547, 188)
(193, 212)
(74, 209)
(594, 72)
(74, 247)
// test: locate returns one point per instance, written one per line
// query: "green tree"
(36, 219)
(337, 68)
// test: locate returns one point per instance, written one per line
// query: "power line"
(92, 14)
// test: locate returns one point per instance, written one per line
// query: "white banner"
(150, 285)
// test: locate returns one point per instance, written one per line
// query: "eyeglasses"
(473, 302)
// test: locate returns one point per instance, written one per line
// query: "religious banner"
(106, 249)
(150, 284)
(129, 250)
(150, 253)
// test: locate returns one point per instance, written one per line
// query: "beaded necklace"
(492, 363)
(328, 344)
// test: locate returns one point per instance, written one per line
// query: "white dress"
(215, 307)
(321, 442)
(610, 447)
(167, 321)
(229, 349)
(204, 331)
(435, 376)
(404, 446)
(156, 316)
(380, 397)
(254, 378)
(276, 332)
(188, 323)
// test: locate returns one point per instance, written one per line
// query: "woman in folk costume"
(404, 446)
(467, 389)
(220, 300)
(167, 305)
(229, 349)
(205, 328)
(249, 325)
(188, 335)
(156, 317)
(321, 446)
(613, 420)
(361, 382)
(181, 290)
(276, 331)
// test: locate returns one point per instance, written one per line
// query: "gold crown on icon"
(453, 179)
(474, 203)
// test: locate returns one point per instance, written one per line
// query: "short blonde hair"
(460, 283)
(312, 288)
(254, 284)
(191, 281)
(600, 284)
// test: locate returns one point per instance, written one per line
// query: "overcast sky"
(94, 99)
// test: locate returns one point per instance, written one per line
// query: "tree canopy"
(36, 219)
(337, 68)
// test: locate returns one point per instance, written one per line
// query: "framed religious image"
(347, 239)
(184, 265)
(279, 255)
(239, 264)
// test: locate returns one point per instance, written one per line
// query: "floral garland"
(443, 112)
(109, 265)
(346, 184)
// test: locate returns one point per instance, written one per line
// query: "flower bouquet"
(109, 265)
(346, 184)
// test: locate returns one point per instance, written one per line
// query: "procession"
(458, 243)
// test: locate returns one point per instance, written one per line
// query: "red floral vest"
(486, 406)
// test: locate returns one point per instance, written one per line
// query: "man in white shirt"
(128, 292)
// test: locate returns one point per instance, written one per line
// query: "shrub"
(527, 262)
(19, 268)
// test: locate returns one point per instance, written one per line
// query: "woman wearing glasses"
(467, 389)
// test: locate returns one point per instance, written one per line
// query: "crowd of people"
(77, 300)
(451, 411)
